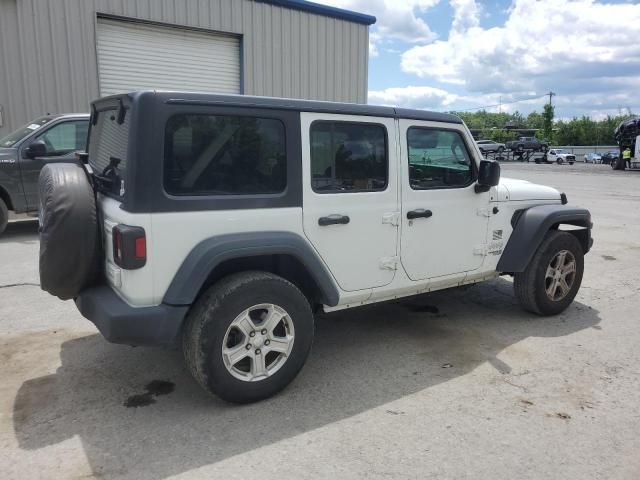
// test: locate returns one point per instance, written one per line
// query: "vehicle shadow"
(23, 231)
(361, 359)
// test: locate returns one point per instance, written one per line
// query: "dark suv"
(23, 153)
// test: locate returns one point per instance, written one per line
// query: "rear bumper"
(119, 322)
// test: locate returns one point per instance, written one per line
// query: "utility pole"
(551, 94)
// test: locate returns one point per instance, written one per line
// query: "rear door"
(351, 196)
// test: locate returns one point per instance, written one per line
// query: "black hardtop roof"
(187, 98)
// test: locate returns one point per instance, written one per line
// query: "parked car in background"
(23, 153)
(488, 146)
(609, 157)
(560, 156)
(592, 157)
(527, 144)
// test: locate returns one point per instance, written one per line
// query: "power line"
(500, 104)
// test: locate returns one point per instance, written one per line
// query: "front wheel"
(553, 277)
(248, 336)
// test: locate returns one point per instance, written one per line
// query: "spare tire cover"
(69, 239)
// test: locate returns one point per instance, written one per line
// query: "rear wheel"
(248, 336)
(553, 277)
(4, 216)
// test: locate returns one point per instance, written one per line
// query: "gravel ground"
(455, 384)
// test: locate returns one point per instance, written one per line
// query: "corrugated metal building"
(57, 55)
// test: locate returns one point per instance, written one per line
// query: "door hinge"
(483, 212)
(389, 263)
(391, 218)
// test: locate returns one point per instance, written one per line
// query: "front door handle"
(419, 213)
(333, 220)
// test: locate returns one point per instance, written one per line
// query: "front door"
(351, 196)
(444, 221)
(62, 141)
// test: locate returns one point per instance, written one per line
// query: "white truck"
(224, 222)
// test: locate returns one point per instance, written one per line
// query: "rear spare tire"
(69, 238)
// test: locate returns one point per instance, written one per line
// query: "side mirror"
(488, 176)
(37, 148)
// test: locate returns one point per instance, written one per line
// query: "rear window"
(108, 141)
(224, 155)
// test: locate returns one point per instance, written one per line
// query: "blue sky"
(465, 54)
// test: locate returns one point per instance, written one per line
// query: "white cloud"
(396, 19)
(596, 105)
(413, 97)
(544, 44)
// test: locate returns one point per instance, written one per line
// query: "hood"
(8, 155)
(523, 190)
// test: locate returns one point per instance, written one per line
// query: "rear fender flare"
(203, 259)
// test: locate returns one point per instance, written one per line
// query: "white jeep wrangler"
(223, 222)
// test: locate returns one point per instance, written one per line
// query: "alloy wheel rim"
(560, 275)
(258, 342)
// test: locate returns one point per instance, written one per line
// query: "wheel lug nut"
(252, 334)
(257, 351)
(248, 347)
(264, 331)
(267, 342)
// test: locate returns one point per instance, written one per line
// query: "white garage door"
(134, 56)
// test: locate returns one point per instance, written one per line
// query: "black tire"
(530, 285)
(69, 231)
(558, 161)
(210, 318)
(4, 216)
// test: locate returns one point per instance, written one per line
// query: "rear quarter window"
(224, 155)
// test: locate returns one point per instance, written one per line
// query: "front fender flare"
(532, 224)
(209, 253)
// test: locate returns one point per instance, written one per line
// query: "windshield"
(559, 150)
(13, 138)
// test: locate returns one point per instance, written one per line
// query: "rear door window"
(224, 155)
(348, 157)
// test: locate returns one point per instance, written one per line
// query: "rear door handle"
(333, 220)
(419, 213)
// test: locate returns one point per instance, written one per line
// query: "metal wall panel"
(48, 50)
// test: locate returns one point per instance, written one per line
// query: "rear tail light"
(129, 247)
